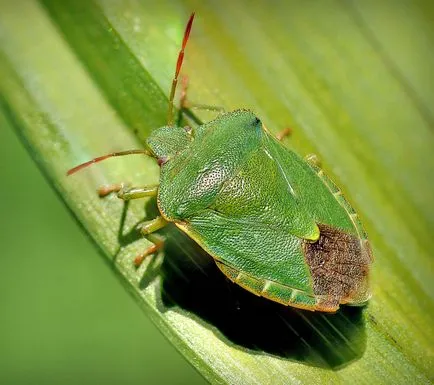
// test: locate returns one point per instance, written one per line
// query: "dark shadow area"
(192, 281)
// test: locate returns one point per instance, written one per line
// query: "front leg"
(127, 193)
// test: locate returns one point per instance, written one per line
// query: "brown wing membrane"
(339, 264)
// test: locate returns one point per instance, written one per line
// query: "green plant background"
(65, 318)
(81, 78)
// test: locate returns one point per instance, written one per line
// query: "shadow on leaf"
(193, 282)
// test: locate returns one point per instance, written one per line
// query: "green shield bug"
(274, 223)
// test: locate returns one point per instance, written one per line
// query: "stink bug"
(274, 223)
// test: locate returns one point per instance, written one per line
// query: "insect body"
(274, 223)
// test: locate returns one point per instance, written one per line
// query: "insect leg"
(158, 243)
(283, 133)
(186, 105)
(187, 112)
(127, 193)
(153, 225)
(148, 228)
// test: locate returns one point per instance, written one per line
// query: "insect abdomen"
(269, 289)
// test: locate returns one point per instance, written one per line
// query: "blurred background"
(65, 318)
(353, 79)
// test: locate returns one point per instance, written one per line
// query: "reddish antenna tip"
(178, 68)
(187, 30)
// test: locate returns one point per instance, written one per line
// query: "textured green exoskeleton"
(274, 223)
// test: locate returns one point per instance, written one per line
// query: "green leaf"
(80, 79)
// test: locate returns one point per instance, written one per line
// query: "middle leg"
(147, 229)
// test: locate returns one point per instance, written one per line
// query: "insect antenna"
(170, 112)
(178, 68)
(104, 157)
